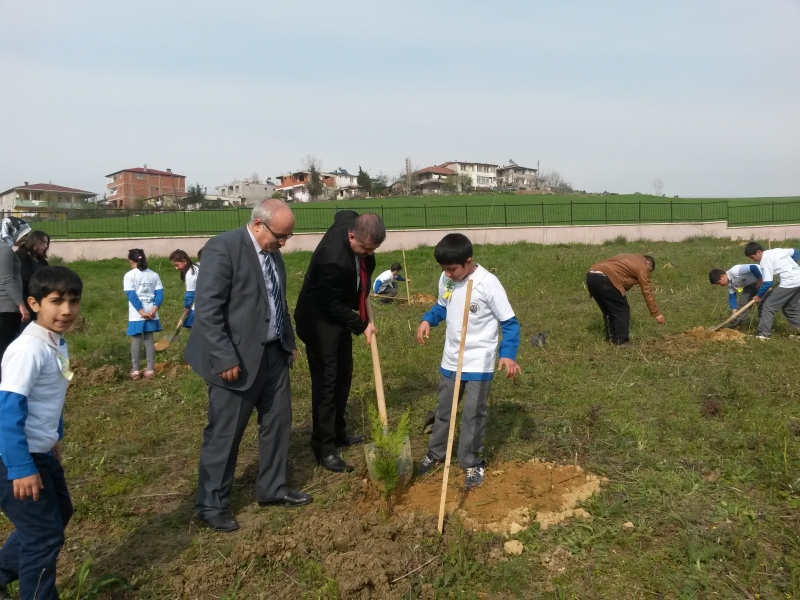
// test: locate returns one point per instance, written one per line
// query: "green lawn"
(700, 441)
(479, 210)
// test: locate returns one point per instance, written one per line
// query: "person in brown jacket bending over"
(607, 282)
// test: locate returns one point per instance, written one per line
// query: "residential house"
(483, 175)
(128, 187)
(346, 184)
(246, 192)
(294, 186)
(432, 180)
(29, 199)
(517, 177)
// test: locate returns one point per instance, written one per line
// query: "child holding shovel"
(489, 312)
(745, 279)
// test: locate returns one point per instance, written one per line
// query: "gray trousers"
(228, 414)
(473, 421)
(748, 293)
(786, 300)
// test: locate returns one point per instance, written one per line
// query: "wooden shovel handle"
(454, 409)
(376, 371)
(734, 315)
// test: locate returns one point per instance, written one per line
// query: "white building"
(517, 177)
(246, 192)
(484, 175)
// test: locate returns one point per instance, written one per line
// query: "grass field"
(700, 442)
(478, 210)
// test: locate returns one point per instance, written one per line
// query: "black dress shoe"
(335, 463)
(221, 522)
(290, 498)
(350, 440)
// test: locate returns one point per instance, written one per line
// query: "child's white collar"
(51, 338)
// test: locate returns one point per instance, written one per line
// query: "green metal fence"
(97, 223)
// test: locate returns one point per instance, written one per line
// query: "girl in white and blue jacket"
(145, 296)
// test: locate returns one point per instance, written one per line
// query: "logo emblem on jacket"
(473, 308)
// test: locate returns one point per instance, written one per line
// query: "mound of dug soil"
(511, 497)
(170, 370)
(720, 335)
(104, 374)
(421, 298)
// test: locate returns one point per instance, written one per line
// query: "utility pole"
(537, 174)
(408, 175)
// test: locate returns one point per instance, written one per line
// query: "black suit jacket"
(231, 311)
(329, 290)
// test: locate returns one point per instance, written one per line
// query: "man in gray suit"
(242, 344)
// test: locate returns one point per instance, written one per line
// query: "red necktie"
(362, 298)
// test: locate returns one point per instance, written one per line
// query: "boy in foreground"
(786, 297)
(385, 283)
(744, 278)
(33, 491)
(489, 311)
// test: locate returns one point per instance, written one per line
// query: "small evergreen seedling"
(387, 450)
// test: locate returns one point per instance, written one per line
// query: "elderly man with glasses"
(242, 343)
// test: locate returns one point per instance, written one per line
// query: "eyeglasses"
(278, 236)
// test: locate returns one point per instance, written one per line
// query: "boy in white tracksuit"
(743, 283)
(786, 297)
(489, 313)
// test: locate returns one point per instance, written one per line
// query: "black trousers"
(9, 330)
(329, 348)
(614, 306)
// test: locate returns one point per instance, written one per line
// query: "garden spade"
(733, 316)
(405, 462)
(165, 343)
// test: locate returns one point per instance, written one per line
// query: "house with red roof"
(31, 198)
(129, 188)
(432, 180)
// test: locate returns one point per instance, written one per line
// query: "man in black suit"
(242, 344)
(332, 307)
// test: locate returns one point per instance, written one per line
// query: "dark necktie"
(362, 298)
(269, 269)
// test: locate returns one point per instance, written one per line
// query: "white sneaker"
(763, 338)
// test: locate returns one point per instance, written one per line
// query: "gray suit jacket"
(231, 311)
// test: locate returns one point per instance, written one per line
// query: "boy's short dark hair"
(652, 262)
(715, 275)
(55, 279)
(752, 248)
(453, 249)
(396, 267)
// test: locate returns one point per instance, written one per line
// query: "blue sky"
(702, 95)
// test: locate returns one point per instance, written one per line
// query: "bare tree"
(555, 181)
(658, 185)
(312, 161)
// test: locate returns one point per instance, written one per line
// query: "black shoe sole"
(286, 504)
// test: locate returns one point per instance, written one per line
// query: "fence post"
(542, 206)
(606, 213)
(466, 216)
(773, 214)
(425, 208)
(184, 222)
(505, 214)
(66, 224)
(701, 210)
(671, 218)
(570, 212)
(640, 211)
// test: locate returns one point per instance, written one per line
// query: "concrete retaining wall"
(96, 249)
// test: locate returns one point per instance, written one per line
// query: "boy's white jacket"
(489, 306)
(35, 378)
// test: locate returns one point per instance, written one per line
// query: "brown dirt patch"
(104, 374)
(511, 497)
(421, 298)
(720, 335)
(170, 370)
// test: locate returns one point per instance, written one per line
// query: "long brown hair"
(33, 239)
(179, 255)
